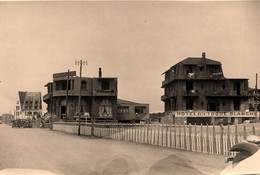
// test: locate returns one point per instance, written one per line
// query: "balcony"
(191, 75)
(169, 95)
(74, 92)
(216, 75)
(191, 93)
(99, 92)
(227, 93)
(168, 80)
(47, 96)
(164, 97)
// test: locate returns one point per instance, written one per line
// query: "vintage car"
(246, 159)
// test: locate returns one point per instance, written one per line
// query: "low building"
(131, 112)
(7, 118)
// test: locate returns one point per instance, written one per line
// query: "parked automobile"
(246, 159)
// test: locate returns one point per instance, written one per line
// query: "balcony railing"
(227, 93)
(47, 96)
(216, 75)
(190, 93)
(168, 95)
(168, 80)
(100, 92)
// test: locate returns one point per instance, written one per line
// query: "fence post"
(195, 137)
(253, 129)
(244, 132)
(207, 141)
(214, 140)
(158, 138)
(135, 133)
(201, 137)
(179, 136)
(151, 128)
(154, 134)
(236, 134)
(147, 133)
(221, 140)
(170, 136)
(228, 138)
(184, 139)
(162, 135)
(166, 139)
(175, 136)
(190, 137)
(144, 133)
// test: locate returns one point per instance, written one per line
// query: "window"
(123, 109)
(236, 105)
(30, 105)
(201, 69)
(139, 109)
(17, 108)
(223, 103)
(189, 104)
(105, 109)
(223, 86)
(26, 105)
(105, 85)
(36, 105)
(83, 85)
(62, 85)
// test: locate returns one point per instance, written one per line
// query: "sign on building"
(64, 74)
(215, 114)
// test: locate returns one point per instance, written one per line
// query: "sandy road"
(67, 154)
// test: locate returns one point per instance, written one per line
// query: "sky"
(133, 41)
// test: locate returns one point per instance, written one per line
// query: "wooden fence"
(205, 139)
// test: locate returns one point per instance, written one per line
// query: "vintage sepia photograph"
(129, 87)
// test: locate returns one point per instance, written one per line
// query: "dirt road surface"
(67, 154)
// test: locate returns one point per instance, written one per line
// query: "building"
(197, 85)
(98, 96)
(7, 118)
(29, 105)
(131, 112)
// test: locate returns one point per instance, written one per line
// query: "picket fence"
(205, 139)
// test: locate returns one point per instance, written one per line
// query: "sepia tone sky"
(134, 41)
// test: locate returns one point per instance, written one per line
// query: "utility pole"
(79, 109)
(67, 93)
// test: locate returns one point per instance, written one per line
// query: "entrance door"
(63, 112)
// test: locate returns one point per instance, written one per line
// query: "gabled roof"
(22, 96)
(29, 96)
(197, 61)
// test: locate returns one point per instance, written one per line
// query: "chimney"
(204, 57)
(100, 73)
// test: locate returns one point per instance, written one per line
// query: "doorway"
(63, 112)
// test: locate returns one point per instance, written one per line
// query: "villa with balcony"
(98, 96)
(198, 84)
